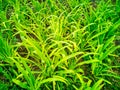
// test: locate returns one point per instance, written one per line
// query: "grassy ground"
(59, 45)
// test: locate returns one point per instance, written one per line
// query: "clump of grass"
(60, 45)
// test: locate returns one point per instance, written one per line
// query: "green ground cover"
(59, 45)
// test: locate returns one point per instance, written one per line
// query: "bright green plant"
(59, 44)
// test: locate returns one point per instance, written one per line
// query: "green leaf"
(54, 78)
(98, 85)
(21, 84)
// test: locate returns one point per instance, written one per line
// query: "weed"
(59, 45)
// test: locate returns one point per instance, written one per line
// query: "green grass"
(59, 45)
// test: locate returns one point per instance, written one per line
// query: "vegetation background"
(59, 44)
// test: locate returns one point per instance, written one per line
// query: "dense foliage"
(59, 45)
